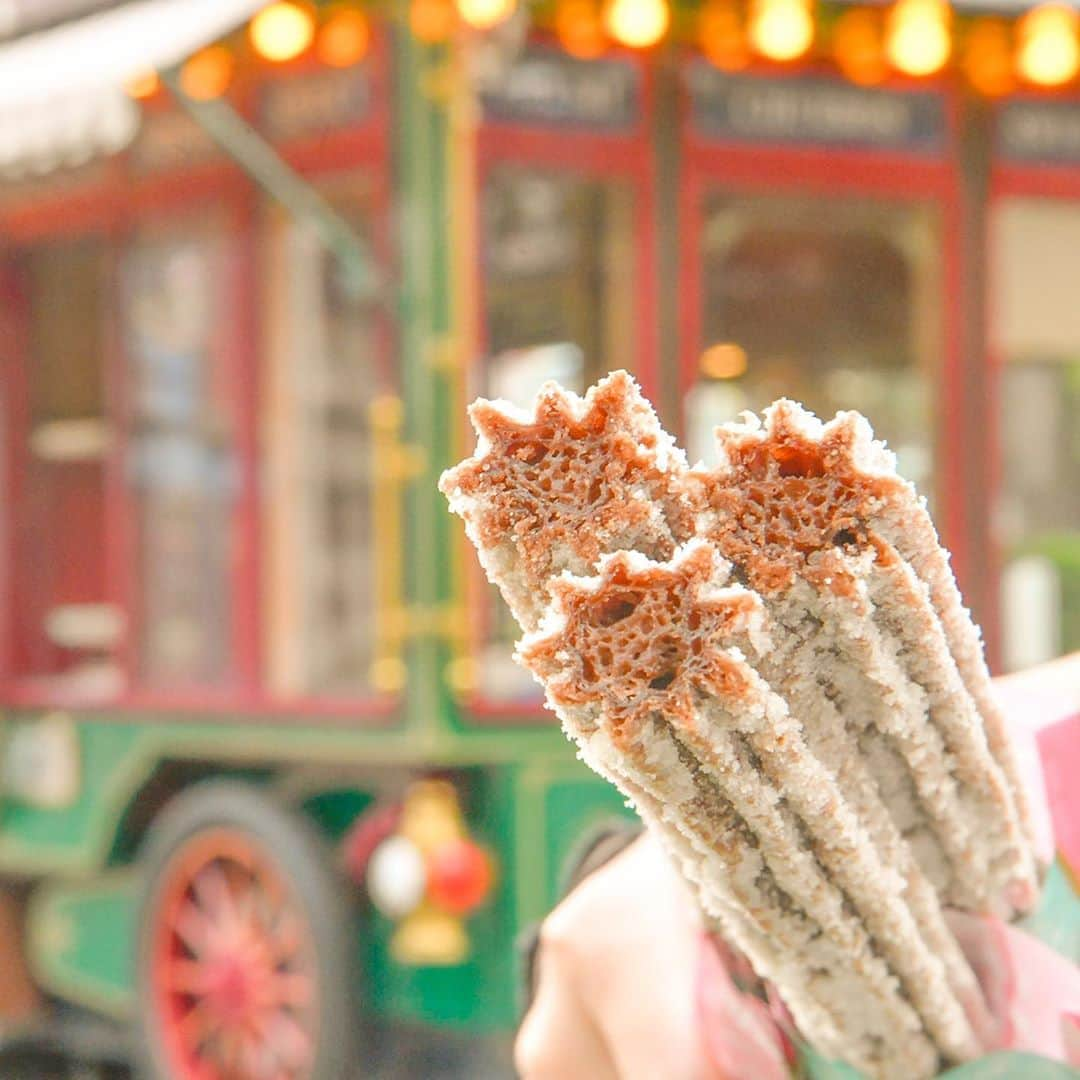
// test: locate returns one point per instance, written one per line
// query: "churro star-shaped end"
(555, 489)
(795, 496)
(643, 638)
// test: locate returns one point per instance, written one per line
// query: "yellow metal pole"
(462, 342)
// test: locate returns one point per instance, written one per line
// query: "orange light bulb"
(987, 58)
(485, 14)
(282, 31)
(918, 40)
(859, 47)
(781, 29)
(638, 24)
(722, 35)
(1049, 45)
(432, 21)
(207, 74)
(724, 361)
(580, 29)
(344, 38)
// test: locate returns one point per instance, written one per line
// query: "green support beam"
(265, 166)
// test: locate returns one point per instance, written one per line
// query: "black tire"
(313, 893)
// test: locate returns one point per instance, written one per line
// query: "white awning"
(62, 97)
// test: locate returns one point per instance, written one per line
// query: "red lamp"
(460, 876)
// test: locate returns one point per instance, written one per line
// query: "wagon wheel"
(245, 942)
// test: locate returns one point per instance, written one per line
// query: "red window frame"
(836, 172)
(325, 156)
(627, 156)
(88, 215)
(114, 203)
(13, 347)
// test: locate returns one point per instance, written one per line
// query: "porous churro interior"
(645, 639)
(785, 502)
(564, 486)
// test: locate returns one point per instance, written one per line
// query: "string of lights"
(914, 38)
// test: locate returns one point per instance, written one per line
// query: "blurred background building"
(254, 260)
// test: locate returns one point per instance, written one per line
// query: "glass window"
(329, 357)
(1035, 332)
(65, 629)
(558, 303)
(558, 263)
(182, 461)
(831, 302)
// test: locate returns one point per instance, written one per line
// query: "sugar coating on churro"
(811, 744)
(642, 640)
(793, 498)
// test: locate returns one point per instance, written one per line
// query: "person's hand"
(1032, 992)
(621, 961)
(1042, 707)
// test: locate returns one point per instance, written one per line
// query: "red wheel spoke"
(250, 1056)
(187, 977)
(199, 1025)
(244, 909)
(269, 1056)
(231, 1051)
(212, 891)
(286, 936)
(262, 1061)
(235, 988)
(292, 988)
(271, 892)
(291, 1042)
(193, 928)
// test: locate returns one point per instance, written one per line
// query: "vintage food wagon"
(266, 764)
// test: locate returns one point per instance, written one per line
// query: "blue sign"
(812, 111)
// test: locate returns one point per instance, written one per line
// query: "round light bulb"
(722, 35)
(859, 47)
(580, 29)
(432, 21)
(918, 42)
(1049, 45)
(638, 24)
(724, 361)
(207, 74)
(460, 877)
(396, 877)
(987, 58)
(282, 31)
(485, 14)
(344, 38)
(781, 29)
